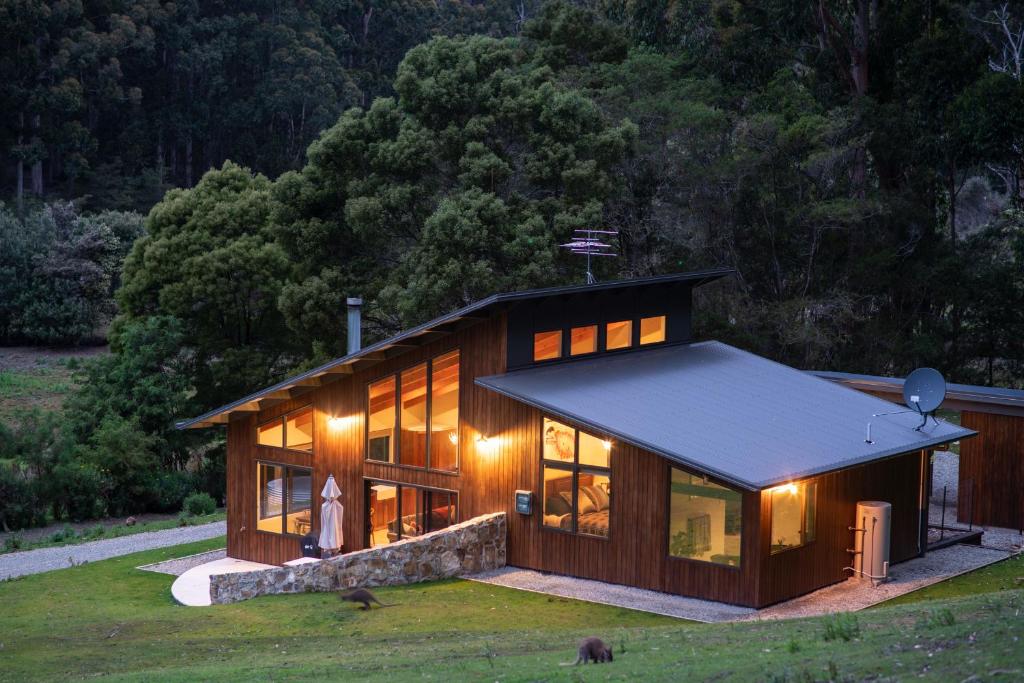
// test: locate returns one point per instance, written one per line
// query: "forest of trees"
(857, 162)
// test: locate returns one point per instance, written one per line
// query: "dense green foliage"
(58, 272)
(857, 163)
(125, 627)
(121, 100)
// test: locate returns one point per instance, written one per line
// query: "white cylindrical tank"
(873, 526)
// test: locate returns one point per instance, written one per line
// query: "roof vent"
(355, 306)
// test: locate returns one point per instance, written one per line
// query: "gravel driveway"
(48, 559)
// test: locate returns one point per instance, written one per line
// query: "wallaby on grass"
(591, 650)
(364, 596)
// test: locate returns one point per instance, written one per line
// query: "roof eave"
(221, 415)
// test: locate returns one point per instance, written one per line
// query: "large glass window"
(428, 418)
(298, 430)
(444, 412)
(793, 515)
(577, 480)
(380, 424)
(652, 330)
(547, 345)
(293, 431)
(283, 499)
(413, 420)
(705, 520)
(397, 511)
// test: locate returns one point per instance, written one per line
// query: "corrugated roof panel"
(723, 411)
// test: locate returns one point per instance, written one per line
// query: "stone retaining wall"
(466, 548)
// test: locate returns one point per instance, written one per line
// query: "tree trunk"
(188, 161)
(19, 190)
(952, 205)
(37, 164)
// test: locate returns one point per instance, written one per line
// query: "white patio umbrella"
(330, 516)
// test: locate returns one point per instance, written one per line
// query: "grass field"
(33, 377)
(109, 621)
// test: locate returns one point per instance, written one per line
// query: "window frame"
(574, 468)
(370, 481)
(284, 498)
(668, 514)
(397, 441)
(803, 517)
(283, 420)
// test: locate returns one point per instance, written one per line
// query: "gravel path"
(851, 595)
(48, 559)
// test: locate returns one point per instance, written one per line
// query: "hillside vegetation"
(424, 155)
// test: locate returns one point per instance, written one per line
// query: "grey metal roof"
(958, 396)
(421, 334)
(725, 412)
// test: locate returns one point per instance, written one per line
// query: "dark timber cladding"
(991, 486)
(635, 551)
(502, 441)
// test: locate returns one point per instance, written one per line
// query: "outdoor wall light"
(791, 488)
(336, 423)
(486, 445)
(454, 438)
(607, 444)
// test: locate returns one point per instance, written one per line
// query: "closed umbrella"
(330, 517)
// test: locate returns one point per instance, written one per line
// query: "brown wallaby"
(364, 596)
(591, 650)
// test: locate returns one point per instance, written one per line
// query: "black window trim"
(284, 498)
(397, 445)
(283, 418)
(574, 468)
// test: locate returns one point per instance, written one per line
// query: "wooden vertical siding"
(991, 471)
(635, 552)
(801, 570)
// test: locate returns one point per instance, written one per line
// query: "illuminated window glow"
(793, 515)
(547, 345)
(652, 330)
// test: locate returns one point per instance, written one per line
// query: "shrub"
(170, 489)
(95, 532)
(199, 504)
(65, 534)
(842, 626)
(20, 504)
(12, 543)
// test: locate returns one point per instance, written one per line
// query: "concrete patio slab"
(192, 588)
(848, 596)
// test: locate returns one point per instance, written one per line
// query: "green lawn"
(110, 621)
(43, 387)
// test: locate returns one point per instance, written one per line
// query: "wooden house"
(620, 448)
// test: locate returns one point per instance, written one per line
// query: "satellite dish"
(924, 390)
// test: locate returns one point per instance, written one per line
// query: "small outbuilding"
(620, 448)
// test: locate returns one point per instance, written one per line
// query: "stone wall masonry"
(469, 547)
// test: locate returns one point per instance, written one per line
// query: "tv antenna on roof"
(924, 390)
(588, 241)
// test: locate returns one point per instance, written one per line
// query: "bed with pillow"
(594, 503)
